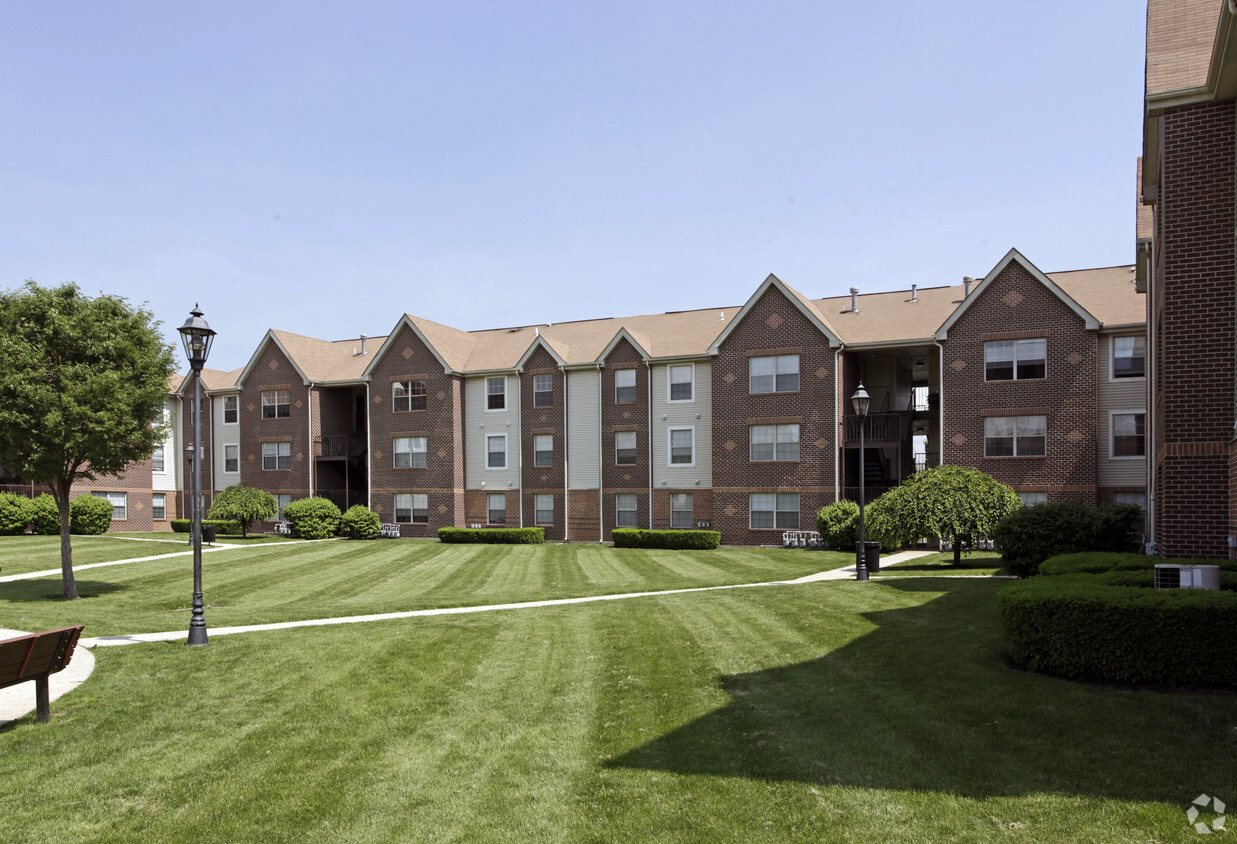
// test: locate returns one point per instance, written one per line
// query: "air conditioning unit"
(1176, 576)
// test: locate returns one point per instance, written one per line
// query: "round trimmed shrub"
(14, 514)
(1027, 537)
(838, 524)
(313, 518)
(45, 516)
(360, 522)
(89, 516)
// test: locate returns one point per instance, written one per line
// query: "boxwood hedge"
(223, 527)
(494, 536)
(1098, 562)
(675, 540)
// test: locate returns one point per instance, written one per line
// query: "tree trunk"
(957, 552)
(60, 492)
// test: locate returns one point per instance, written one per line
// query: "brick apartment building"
(1186, 257)
(736, 418)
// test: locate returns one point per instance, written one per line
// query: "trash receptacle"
(208, 533)
(871, 556)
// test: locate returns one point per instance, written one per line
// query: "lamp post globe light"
(197, 337)
(861, 402)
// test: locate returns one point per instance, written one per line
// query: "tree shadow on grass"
(928, 701)
(31, 591)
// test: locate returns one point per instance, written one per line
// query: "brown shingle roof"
(885, 317)
(1180, 37)
(212, 380)
(327, 360)
(1108, 293)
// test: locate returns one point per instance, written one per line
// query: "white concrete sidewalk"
(16, 701)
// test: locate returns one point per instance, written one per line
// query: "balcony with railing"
(877, 428)
(339, 446)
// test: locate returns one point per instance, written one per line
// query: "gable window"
(543, 450)
(681, 510)
(408, 395)
(1015, 436)
(496, 508)
(119, 502)
(682, 378)
(543, 509)
(543, 391)
(625, 448)
(779, 510)
(231, 458)
(410, 452)
(625, 509)
(1129, 435)
(774, 374)
(276, 404)
(282, 500)
(231, 410)
(774, 442)
(159, 506)
(496, 393)
(412, 508)
(624, 386)
(1014, 360)
(1129, 357)
(276, 456)
(496, 451)
(682, 446)
(156, 459)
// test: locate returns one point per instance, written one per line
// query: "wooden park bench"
(36, 656)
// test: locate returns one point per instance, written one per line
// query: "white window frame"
(1112, 435)
(1112, 359)
(632, 386)
(1017, 344)
(776, 359)
(159, 501)
(236, 450)
(1038, 498)
(277, 447)
(537, 392)
(275, 403)
(539, 499)
(634, 509)
(670, 446)
(635, 449)
(410, 500)
(670, 382)
(690, 511)
(119, 502)
(489, 507)
(159, 453)
(777, 432)
(235, 401)
(495, 379)
(777, 509)
(409, 396)
(506, 458)
(537, 452)
(282, 500)
(412, 451)
(1017, 420)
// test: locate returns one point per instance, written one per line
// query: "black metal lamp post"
(197, 337)
(861, 401)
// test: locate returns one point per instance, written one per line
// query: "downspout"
(840, 447)
(519, 400)
(1150, 402)
(940, 403)
(310, 426)
(369, 468)
(601, 465)
(566, 461)
(648, 365)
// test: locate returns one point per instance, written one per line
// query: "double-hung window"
(543, 450)
(276, 404)
(774, 442)
(119, 502)
(682, 446)
(231, 410)
(496, 508)
(773, 374)
(625, 448)
(1129, 435)
(1015, 360)
(1129, 357)
(778, 510)
(1033, 499)
(496, 451)
(282, 500)
(159, 506)
(681, 510)
(624, 386)
(231, 458)
(276, 456)
(625, 509)
(409, 452)
(682, 381)
(496, 393)
(408, 395)
(156, 459)
(543, 391)
(412, 508)
(1015, 436)
(543, 509)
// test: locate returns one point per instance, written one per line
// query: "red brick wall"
(585, 525)
(274, 371)
(625, 417)
(442, 479)
(1066, 396)
(1193, 294)
(774, 326)
(538, 421)
(134, 481)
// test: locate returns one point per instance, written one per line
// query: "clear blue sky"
(323, 168)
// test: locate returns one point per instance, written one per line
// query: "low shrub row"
(1114, 626)
(493, 536)
(223, 527)
(88, 515)
(1096, 562)
(1030, 535)
(675, 540)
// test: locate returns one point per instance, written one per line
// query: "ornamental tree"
(82, 385)
(244, 504)
(951, 502)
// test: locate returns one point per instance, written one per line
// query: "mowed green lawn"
(23, 554)
(976, 563)
(294, 581)
(834, 711)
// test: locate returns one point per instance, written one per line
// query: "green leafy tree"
(243, 504)
(82, 384)
(951, 502)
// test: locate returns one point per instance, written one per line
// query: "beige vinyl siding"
(1124, 395)
(583, 429)
(223, 435)
(173, 450)
(480, 423)
(696, 414)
